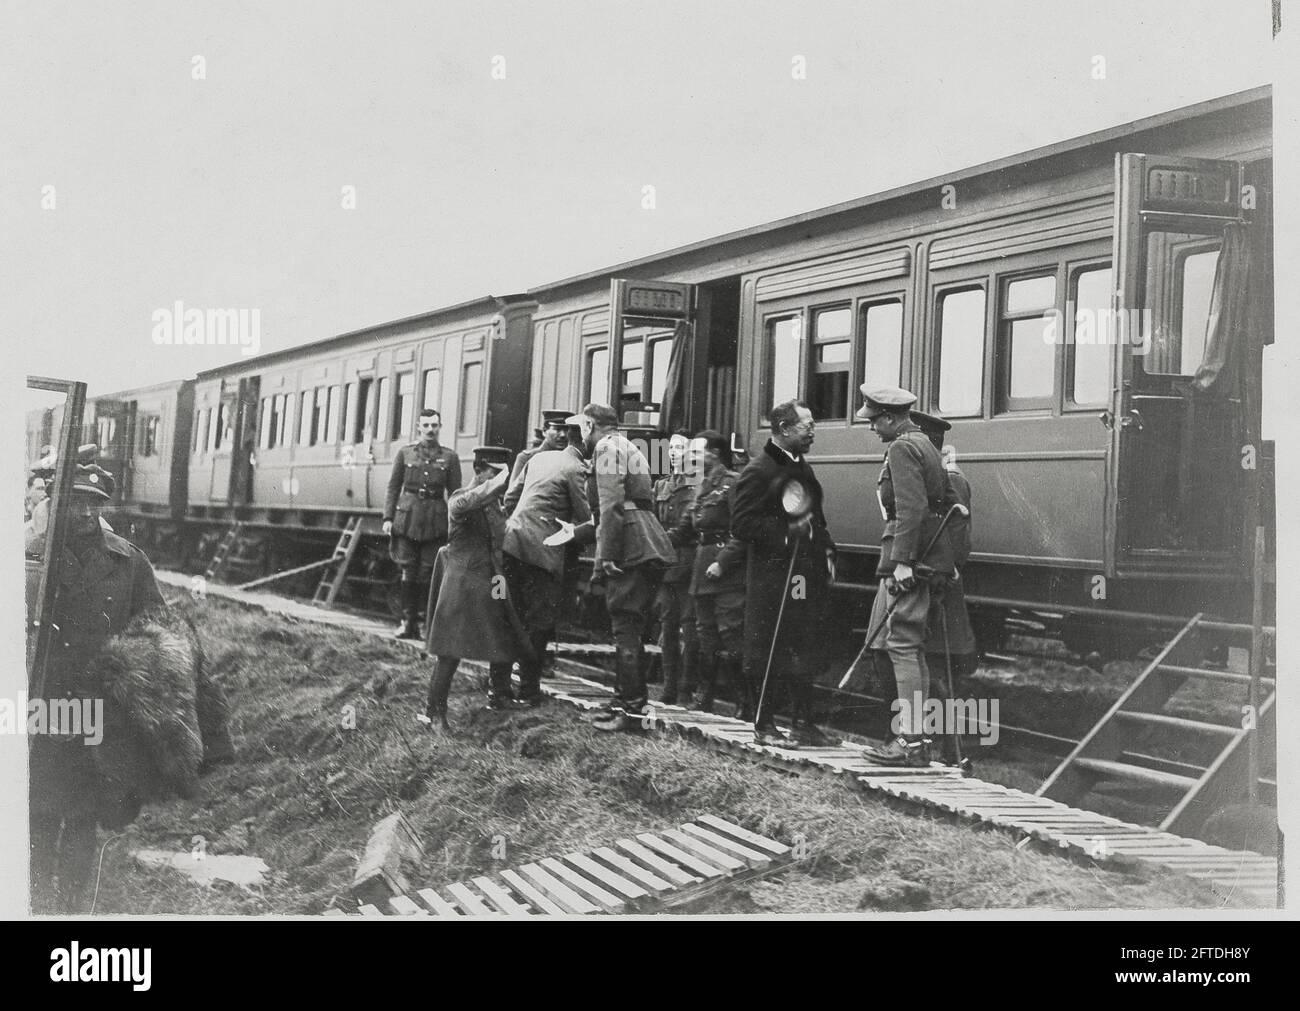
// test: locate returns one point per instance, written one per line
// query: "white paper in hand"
(561, 536)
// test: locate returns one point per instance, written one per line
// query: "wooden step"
(1119, 770)
(1176, 723)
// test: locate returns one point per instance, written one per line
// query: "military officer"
(102, 582)
(415, 513)
(673, 604)
(472, 613)
(552, 494)
(550, 437)
(759, 520)
(718, 578)
(632, 551)
(912, 489)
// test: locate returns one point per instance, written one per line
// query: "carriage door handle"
(1132, 420)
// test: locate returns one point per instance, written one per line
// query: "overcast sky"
(226, 190)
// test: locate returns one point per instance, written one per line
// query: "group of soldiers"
(737, 566)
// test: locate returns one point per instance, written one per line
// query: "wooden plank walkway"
(1228, 872)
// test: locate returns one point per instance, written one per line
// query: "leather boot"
(908, 751)
(439, 689)
(690, 670)
(746, 695)
(410, 626)
(708, 683)
(672, 664)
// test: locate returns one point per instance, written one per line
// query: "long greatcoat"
(469, 604)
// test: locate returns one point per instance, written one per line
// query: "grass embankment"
(305, 793)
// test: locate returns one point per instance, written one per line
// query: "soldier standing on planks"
(912, 489)
(674, 605)
(415, 514)
(632, 551)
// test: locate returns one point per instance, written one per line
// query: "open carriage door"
(243, 450)
(1176, 488)
(652, 339)
(115, 435)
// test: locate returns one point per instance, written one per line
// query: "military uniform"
(912, 490)
(422, 478)
(759, 521)
(470, 607)
(673, 604)
(719, 603)
(103, 581)
(629, 535)
(553, 489)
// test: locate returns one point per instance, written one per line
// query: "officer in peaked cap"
(552, 436)
(103, 582)
(913, 492)
(35, 527)
(425, 474)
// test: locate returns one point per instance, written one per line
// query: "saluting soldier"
(472, 615)
(912, 489)
(103, 582)
(673, 604)
(553, 494)
(415, 513)
(632, 551)
(760, 521)
(550, 437)
(718, 577)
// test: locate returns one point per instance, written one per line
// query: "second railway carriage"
(1070, 310)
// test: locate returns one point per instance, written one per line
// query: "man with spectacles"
(759, 518)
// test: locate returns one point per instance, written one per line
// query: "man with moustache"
(759, 519)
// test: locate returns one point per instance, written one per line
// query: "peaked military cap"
(493, 456)
(930, 422)
(92, 479)
(878, 399)
(555, 419)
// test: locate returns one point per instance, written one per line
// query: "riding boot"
(690, 669)
(806, 732)
(708, 683)
(746, 692)
(439, 689)
(410, 627)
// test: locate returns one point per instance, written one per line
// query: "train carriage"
(1054, 306)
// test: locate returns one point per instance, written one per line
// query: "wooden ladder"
(335, 574)
(228, 542)
(1215, 770)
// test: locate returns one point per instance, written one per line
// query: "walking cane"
(963, 763)
(884, 619)
(797, 503)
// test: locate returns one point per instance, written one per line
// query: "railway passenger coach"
(1090, 316)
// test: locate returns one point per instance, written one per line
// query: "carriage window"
(381, 415)
(1179, 279)
(283, 426)
(263, 424)
(403, 403)
(470, 391)
(1027, 339)
(598, 376)
(149, 435)
(882, 357)
(360, 410)
(1093, 336)
(329, 415)
(828, 387)
(307, 419)
(784, 341)
(200, 429)
(272, 422)
(219, 429)
(432, 389)
(661, 353)
(961, 352)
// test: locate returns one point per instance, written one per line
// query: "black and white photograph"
(682, 460)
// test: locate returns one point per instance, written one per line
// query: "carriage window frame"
(383, 397)
(1206, 236)
(1004, 402)
(857, 377)
(403, 404)
(1073, 271)
(431, 379)
(149, 428)
(469, 408)
(940, 292)
(768, 384)
(812, 366)
(595, 396)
